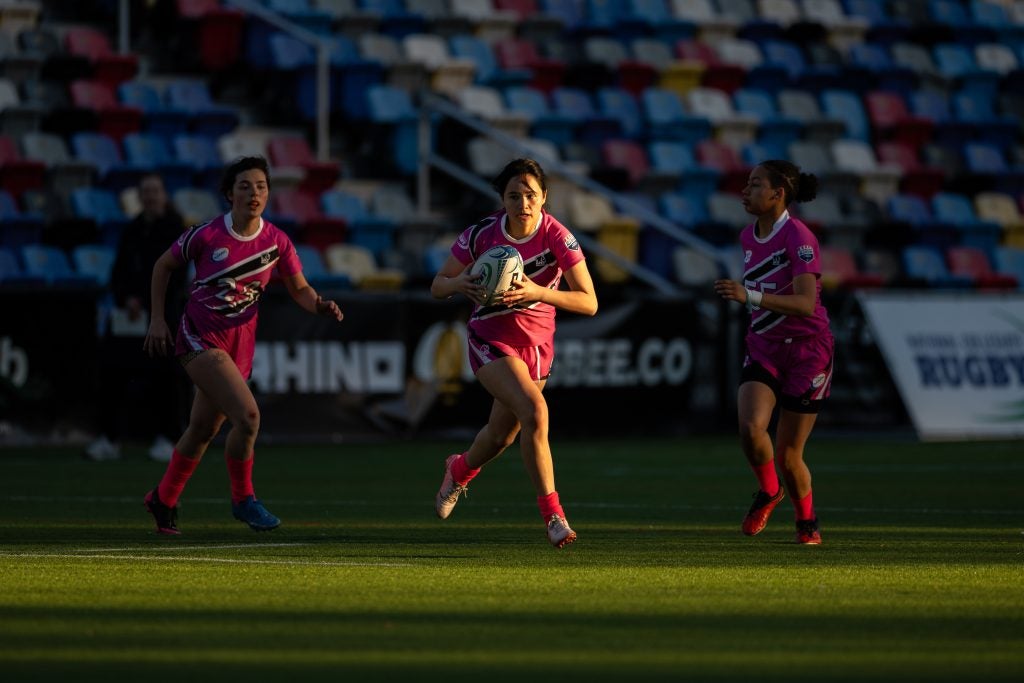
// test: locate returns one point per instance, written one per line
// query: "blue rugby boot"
(252, 512)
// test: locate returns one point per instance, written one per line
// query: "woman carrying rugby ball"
(511, 343)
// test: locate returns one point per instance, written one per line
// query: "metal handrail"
(323, 48)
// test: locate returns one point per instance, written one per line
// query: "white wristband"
(754, 298)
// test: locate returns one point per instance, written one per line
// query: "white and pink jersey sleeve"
(232, 270)
(547, 253)
(771, 264)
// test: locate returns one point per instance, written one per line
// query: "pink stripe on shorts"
(537, 358)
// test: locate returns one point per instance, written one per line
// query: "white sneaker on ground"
(102, 449)
(559, 532)
(161, 450)
(448, 494)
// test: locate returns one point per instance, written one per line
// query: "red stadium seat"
(294, 151)
(18, 174)
(113, 118)
(973, 263)
(839, 270)
(107, 65)
(302, 209)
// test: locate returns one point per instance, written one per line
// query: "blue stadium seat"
(11, 272)
(874, 60)
(954, 16)
(365, 229)
(990, 126)
(103, 208)
(848, 107)
(915, 213)
(158, 118)
(152, 152)
(51, 264)
(674, 157)
(668, 119)
(488, 71)
(685, 209)
(95, 261)
(18, 228)
(590, 126)
(956, 62)
(315, 270)
(200, 152)
(391, 110)
(882, 27)
(935, 106)
(205, 116)
(619, 104)
(958, 210)
(926, 264)
(986, 160)
(545, 124)
(103, 152)
(773, 128)
(801, 74)
(1010, 260)
(395, 20)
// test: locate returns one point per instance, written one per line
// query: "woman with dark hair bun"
(789, 345)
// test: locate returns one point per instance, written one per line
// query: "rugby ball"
(498, 268)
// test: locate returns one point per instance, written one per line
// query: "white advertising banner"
(957, 360)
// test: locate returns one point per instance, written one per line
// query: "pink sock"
(767, 477)
(240, 473)
(175, 477)
(549, 505)
(461, 473)
(804, 507)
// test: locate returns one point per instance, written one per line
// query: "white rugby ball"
(498, 268)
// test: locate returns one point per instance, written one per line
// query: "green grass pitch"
(920, 577)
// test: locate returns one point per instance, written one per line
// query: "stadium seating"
(95, 261)
(1010, 260)
(17, 117)
(301, 214)
(357, 264)
(18, 228)
(293, 151)
(63, 172)
(107, 65)
(51, 264)
(101, 206)
(18, 174)
(973, 263)
(152, 153)
(839, 270)
(205, 116)
(104, 154)
(113, 118)
(316, 273)
(926, 265)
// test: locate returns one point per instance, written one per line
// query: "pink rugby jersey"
(771, 264)
(232, 271)
(548, 252)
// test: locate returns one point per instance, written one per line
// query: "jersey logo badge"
(220, 254)
(571, 243)
(747, 255)
(818, 380)
(806, 253)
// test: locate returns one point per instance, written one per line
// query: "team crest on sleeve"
(747, 255)
(464, 240)
(571, 243)
(805, 252)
